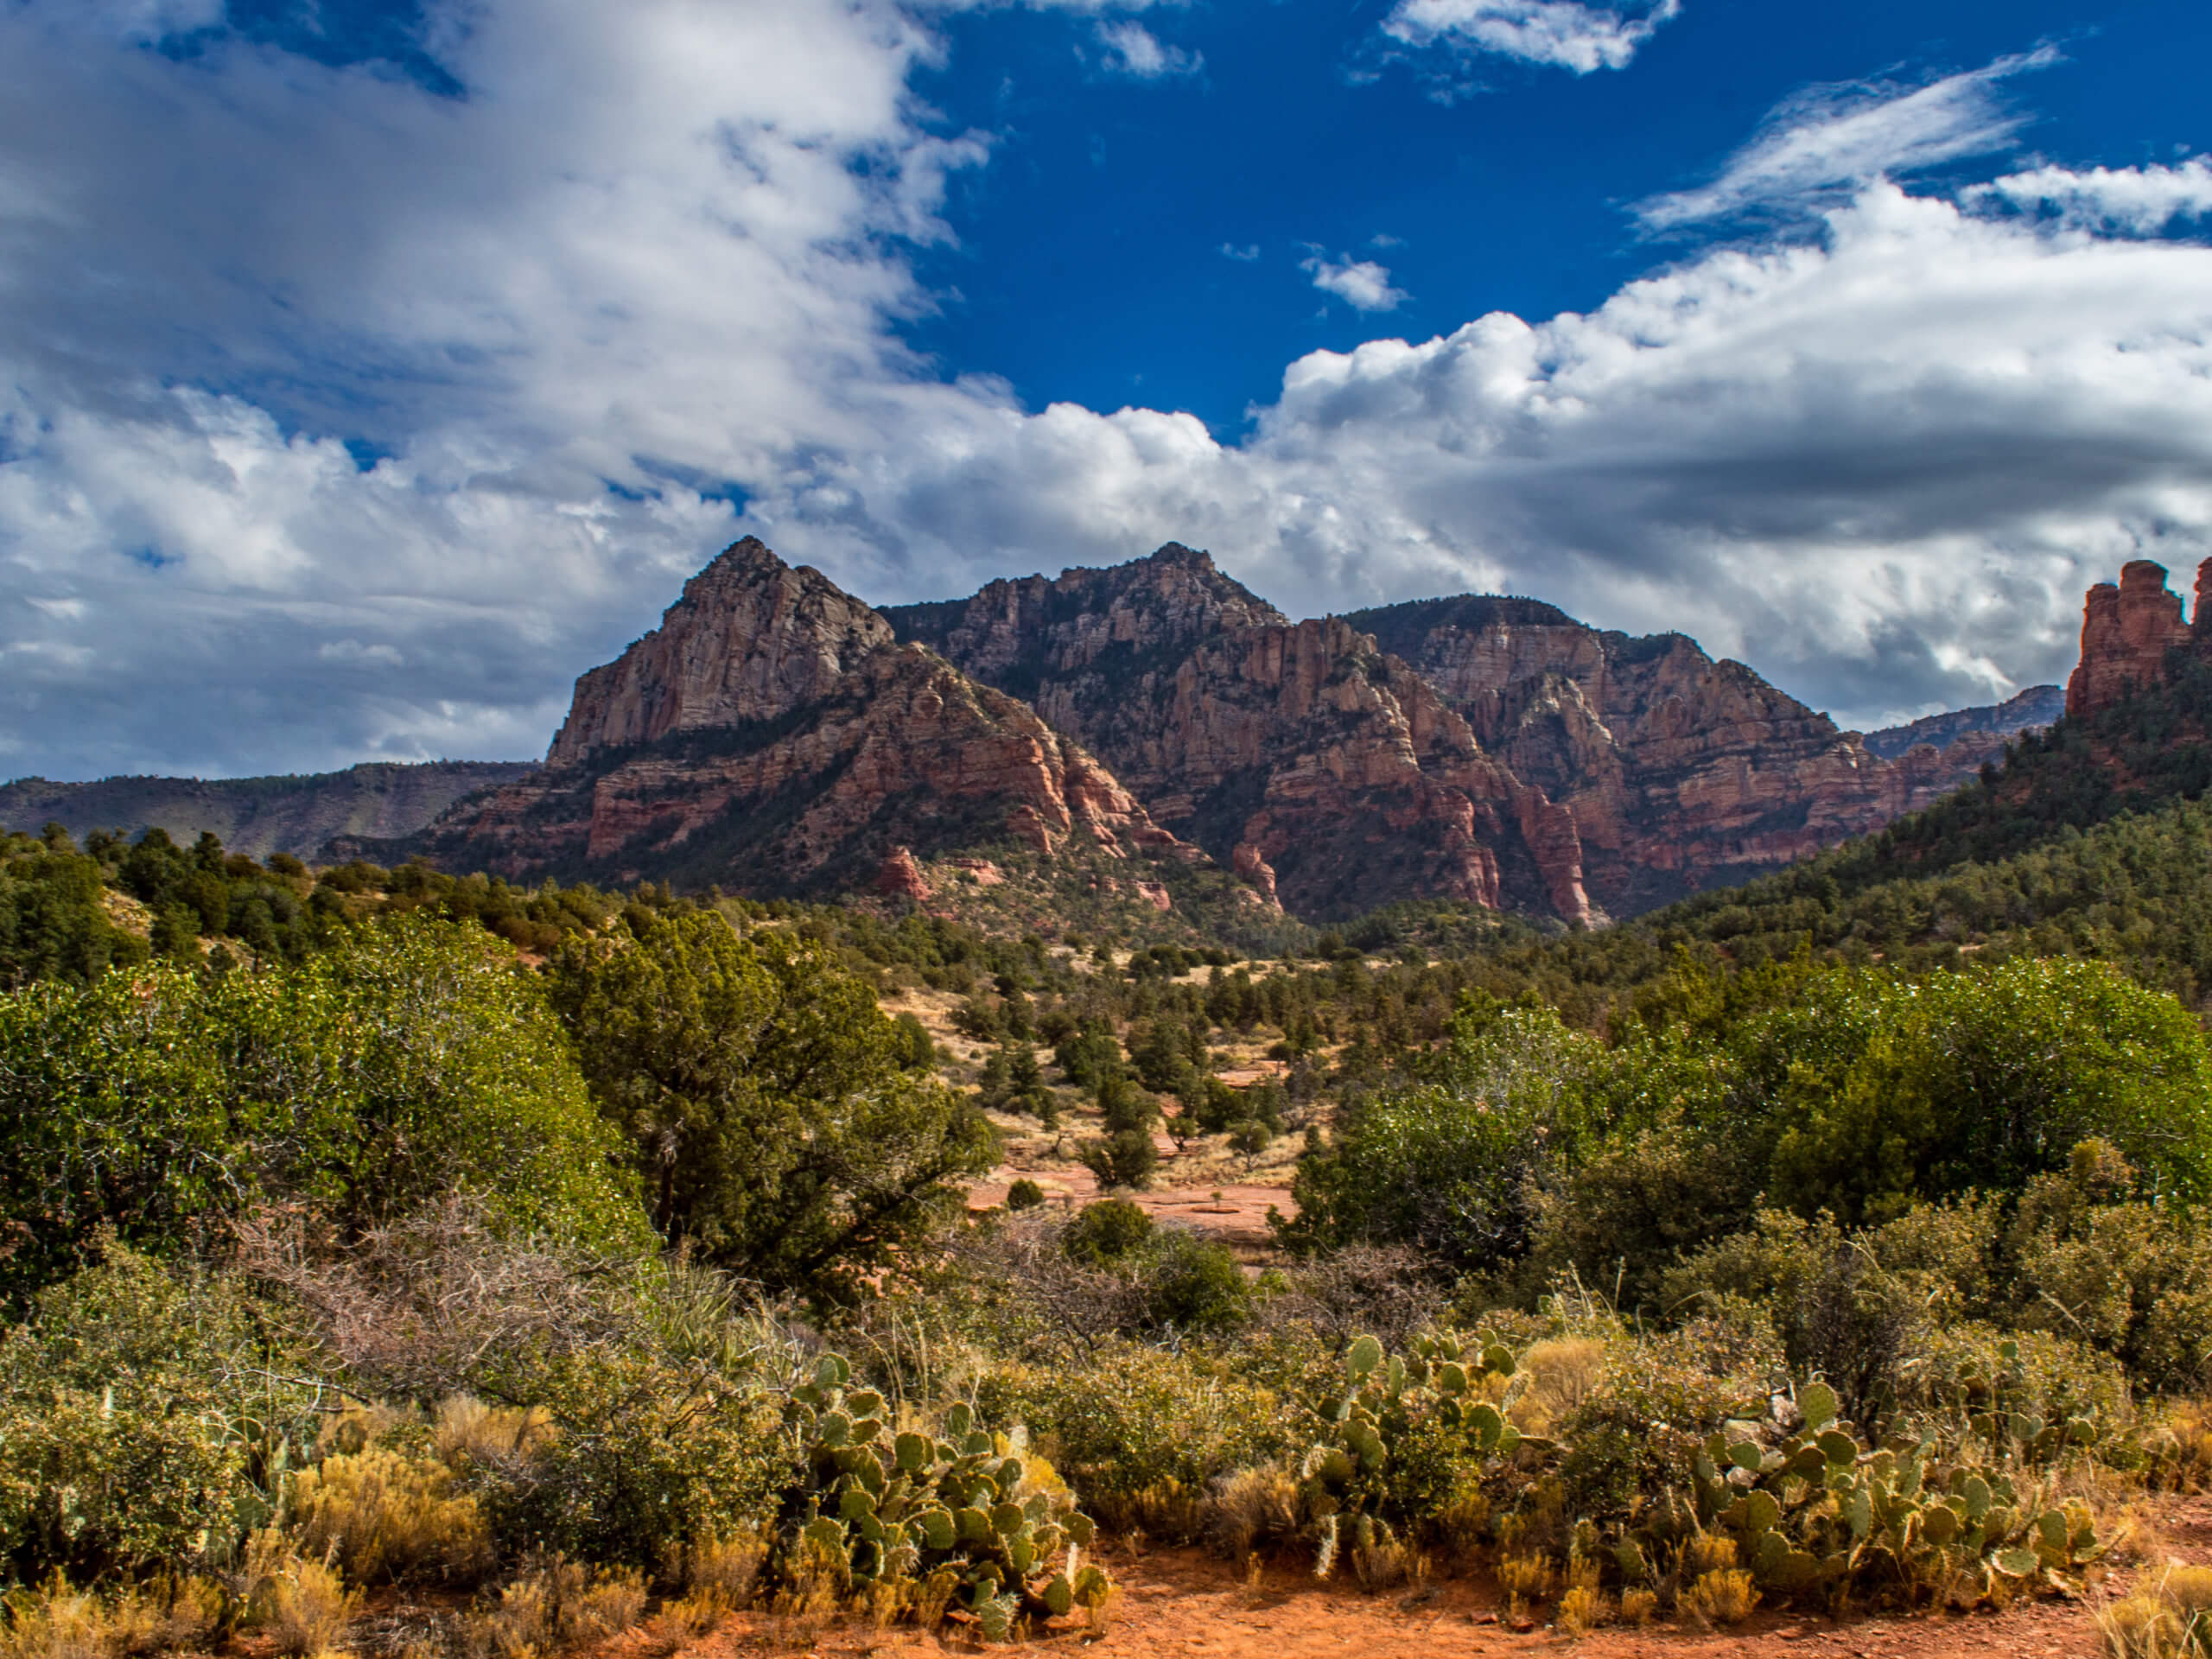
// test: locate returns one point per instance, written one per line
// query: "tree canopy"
(774, 1114)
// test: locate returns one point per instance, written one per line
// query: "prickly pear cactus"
(897, 1508)
(1816, 1507)
(1342, 1481)
(1998, 1397)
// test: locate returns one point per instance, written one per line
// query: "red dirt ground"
(1184, 1603)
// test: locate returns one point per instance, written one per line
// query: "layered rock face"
(1321, 769)
(771, 735)
(1678, 770)
(2126, 632)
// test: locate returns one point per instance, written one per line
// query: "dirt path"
(1186, 1603)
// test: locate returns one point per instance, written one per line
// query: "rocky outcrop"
(775, 733)
(1678, 771)
(750, 640)
(2126, 632)
(772, 736)
(901, 878)
(1321, 768)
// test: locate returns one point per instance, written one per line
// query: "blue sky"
(367, 371)
(1088, 266)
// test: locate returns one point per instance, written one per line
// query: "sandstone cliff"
(1317, 765)
(771, 736)
(2126, 632)
(1679, 771)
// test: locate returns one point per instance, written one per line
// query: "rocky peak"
(819, 755)
(2126, 632)
(751, 639)
(1018, 633)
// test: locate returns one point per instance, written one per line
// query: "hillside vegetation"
(577, 1260)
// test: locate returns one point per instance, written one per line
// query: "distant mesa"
(1988, 724)
(299, 813)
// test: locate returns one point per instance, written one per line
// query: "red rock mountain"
(1680, 772)
(776, 734)
(1320, 767)
(772, 736)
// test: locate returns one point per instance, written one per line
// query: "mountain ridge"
(777, 733)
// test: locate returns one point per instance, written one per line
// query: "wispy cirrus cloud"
(1818, 147)
(1360, 283)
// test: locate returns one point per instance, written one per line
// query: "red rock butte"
(2126, 631)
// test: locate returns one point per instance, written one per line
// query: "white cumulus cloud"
(342, 420)
(1361, 284)
(2141, 200)
(1133, 49)
(1564, 33)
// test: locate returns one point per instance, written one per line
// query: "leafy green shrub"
(411, 1060)
(1138, 1432)
(1192, 1285)
(2132, 1277)
(643, 1454)
(1024, 1194)
(1451, 1168)
(147, 1423)
(1106, 1230)
(1126, 1158)
(1890, 1090)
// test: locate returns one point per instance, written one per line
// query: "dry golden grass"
(1561, 1374)
(1582, 1610)
(468, 1431)
(726, 1572)
(1708, 1552)
(303, 1606)
(56, 1621)
(554, 1604)
(1251, 1509)
(1721, 1597)
(1385, 1561)
(2170, 1617)
(381, 1515)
